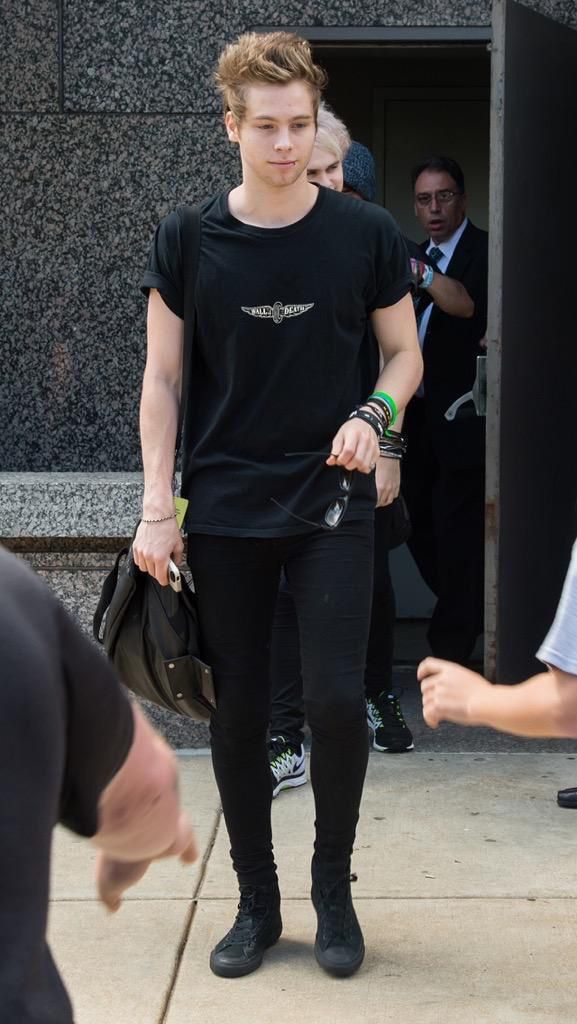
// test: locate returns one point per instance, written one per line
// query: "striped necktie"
(435, 254)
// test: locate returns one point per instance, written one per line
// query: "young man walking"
(279, 451)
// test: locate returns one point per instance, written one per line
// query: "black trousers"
(287, 705)
(444, 487)
(236, 582)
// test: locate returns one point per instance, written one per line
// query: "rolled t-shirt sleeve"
(393, 278)
(559, 649)
(164, 270)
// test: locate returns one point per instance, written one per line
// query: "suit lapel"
(462, 253)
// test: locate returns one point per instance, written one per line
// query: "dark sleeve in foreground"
(164, 270)
(60, 703)
(65, 729)
(100, 728)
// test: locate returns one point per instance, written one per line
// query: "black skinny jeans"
(287, 706)
(236, 582)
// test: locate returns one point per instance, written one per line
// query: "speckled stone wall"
(86, 193)
(29, 43)
(109, 118)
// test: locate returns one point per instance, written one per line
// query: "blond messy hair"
(275, 58)
(332, 133)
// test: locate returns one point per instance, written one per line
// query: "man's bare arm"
(155, 543)
(448, 294)
(451, 296)
(395, 329)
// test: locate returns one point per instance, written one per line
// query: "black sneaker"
(287, 765)
(390, 731)
(567, 798)
(257, 926)
(339, 944)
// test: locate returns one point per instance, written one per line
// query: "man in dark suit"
(443, 473)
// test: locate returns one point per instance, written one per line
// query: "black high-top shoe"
(257, 926)
(339, 944)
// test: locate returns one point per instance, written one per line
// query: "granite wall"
(109, 118)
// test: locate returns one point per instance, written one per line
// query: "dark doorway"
(405, 101)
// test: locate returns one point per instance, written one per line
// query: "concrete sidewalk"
(466, 892)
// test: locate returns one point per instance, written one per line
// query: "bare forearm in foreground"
(544, 705)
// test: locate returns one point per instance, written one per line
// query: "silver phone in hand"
(174, 576)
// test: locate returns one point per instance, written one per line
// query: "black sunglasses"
(335, 512)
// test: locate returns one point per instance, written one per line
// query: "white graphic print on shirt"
(277, 312)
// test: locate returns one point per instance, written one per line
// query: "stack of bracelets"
(380, 412)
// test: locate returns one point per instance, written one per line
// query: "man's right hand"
(154, 545)
(451, 693)
(114, 877)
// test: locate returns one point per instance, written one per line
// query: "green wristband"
(389, 401)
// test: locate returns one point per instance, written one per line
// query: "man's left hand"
(388, 481)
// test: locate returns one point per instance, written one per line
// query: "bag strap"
(190, 217)
(106, 595)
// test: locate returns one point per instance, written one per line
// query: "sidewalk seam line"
(189, 920)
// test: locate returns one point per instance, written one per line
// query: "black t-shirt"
(65, 729)
(278, 356)
(373, 354)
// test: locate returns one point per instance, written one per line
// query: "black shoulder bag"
(151, 632)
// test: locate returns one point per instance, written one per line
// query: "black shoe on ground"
(567, 798)
(339, 944)
(257, 926)
(385, 718)
(288, 767)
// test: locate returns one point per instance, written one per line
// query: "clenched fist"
(450, 693)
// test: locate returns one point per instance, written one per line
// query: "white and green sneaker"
(287, 765)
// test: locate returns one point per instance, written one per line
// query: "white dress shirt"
(447, 248)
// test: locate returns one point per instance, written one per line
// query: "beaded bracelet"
(380, 409)
(388, 402)
(163, 519)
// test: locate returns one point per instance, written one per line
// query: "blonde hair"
(276, 58)
(332, 133)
